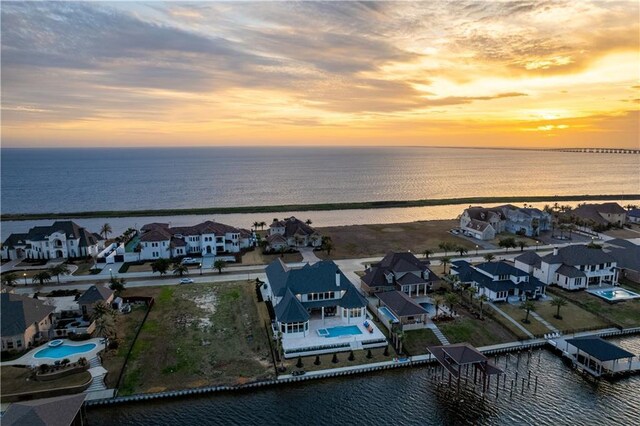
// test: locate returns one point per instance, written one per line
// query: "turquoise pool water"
(387, 313)
(617, 294)
(345, 330)
(62, 351)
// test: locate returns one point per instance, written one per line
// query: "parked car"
(454, 231)
(186, 281)
(189, 261)
(126, 308)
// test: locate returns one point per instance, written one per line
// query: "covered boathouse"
(600, 358)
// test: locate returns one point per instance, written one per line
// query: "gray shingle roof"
(578, 255)
(570, 272)
(19, 312)
(468, 274)
(56, 411)
(529, 258)
(501, 268)
(401, 304)
(395, 262)
(290, 309)
(95, 294)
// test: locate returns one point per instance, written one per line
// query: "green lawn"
(198, 335)
(573, 317)
(17, 380)
(534, 326)
(475, 332)
(416, 341)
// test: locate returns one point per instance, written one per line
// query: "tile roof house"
(206, 238)
(498, 280)
(24, 321)
(295, 232)
(575, 267)
(63, 239)
(399, 271)
(600, 214)
(57, 411)
(309, 299)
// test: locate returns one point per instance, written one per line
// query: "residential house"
(318, 310)
(627, 256)
(604, 214)
(485, 223)
(57, 411)
(498, 280)
(633, 215)
(574, 267)
(158, 240)
(63, 239)
(25, 321)
(292, 232)
(93, 295)
(399, 271)
(528, 261)
(398, 308)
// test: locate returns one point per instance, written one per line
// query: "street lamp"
(476, 249)
(110, 273)
(537, 242)
(200, 268)
(25, 278)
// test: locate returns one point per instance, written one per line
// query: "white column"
(323, 314)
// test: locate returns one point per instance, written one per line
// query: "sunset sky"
(459, 73)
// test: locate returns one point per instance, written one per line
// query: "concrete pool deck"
(30, 359)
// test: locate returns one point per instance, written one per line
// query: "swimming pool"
(429, 307)
(64, 350)
(345, 330)
(614, 294)
(387, 313)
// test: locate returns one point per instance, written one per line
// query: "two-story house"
(498, 280)
(573, 267)
(63, 239)
(526, 221)
(485, 223)
(600, 214)
(25, 321)
(482, 223)
(292, 232)
(399, 271)
(207, 238)
(318, 310)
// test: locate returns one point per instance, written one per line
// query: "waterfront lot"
(18, 380)
(198, 335)
(255, 257)
(376, 240)
(416, 341)
(359, 357)
(467, 328)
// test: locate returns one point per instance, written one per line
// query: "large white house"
(484, 223)
(158, 240)
(498, 280)
(573, 267)
(318, 310)
(63, 239)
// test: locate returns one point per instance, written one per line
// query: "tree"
(60, 269)
(105, 328)
(161, 266)
(282, 250)
(446, 247)
(528, 306)
(522, 245)
(117, 284)
(401, 338)
(102, 309)
(470, 292)
(262, 225)
(328, 246)
(427, 253)
(558, 302)
(451, 299)
(10, 279)
(255, 225)
(489, 257)
(483, 298)
(308, 222)
(507, 243)
(437, 301)
(180, 269)
(105, 230)
(220, 265)
(445, 260)
(461, 250)
(41, 277)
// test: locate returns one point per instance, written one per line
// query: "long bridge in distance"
(598, 150)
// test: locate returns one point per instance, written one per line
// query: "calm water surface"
(63, 180)
(405, 397)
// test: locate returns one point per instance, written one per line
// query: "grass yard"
(17, 380)
(198, 335)
(573, 317)
(535, 327)
(416, 341)
(474, 331)
(626, 313)
(255, 257)
(359, 357)
(84, 266)
(357, 241)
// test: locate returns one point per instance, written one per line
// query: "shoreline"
(366, 205)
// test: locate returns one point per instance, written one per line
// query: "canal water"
(407, 397)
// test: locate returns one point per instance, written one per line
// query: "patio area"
(313, 343)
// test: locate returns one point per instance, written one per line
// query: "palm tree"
(461, 250)
(427, 253)
(445, 260)
(255, 225)
(437, 301)
(220, 265)
(446, 247)
(60, 269)
(528, 306)
(161, 265)
(9, 279)
(489, 257)
(117, 284)
(328, 246)
(105, 328)
(41, 277)
(105, 230)
(522, 245)
(451, 299)
(558, 302)
(400, 336)
(483, 298)
(471, 291)
(102, 309)
(308, 222)
(180, 269)
(262, 225)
